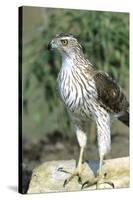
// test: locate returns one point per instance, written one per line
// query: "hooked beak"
(50, 46)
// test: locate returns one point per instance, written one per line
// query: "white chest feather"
(75, 90)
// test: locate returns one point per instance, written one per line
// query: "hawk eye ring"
(64, 42)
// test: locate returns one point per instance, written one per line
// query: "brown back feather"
(110, 95)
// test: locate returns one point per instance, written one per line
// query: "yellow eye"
(64, 42)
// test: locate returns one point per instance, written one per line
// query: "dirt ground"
(55, 147)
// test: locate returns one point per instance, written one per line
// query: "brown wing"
(109, 94)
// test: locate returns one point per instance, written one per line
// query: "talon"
(105, 182)
(105, 174)
(65, 182)
(79, 179)
(110, 183)
(60, 169)
(84, 185)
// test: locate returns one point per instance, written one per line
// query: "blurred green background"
(105, 38)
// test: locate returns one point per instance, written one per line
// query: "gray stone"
(47, 177)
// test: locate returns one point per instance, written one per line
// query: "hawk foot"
(98, 181)
(77, 172)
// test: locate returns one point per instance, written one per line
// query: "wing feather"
(110, 95)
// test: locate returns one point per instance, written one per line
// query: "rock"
(47, 177)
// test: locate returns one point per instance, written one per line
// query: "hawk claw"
(79, 179)
(60, 169)
(65, 182)
(88, 184)
(97, 183)
(76, 172)
(71, 177)
(85, 185)
(110, 183)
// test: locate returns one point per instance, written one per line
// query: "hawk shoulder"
(110, 95)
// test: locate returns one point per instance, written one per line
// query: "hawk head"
(65, 43)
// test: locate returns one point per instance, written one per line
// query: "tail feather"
(124, 118)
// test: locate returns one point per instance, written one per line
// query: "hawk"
(87, 94)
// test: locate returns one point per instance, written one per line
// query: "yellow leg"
(99, 173)
(80, 158)
(77, 171)
(100, 167)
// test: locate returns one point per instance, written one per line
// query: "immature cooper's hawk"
(87, 93)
